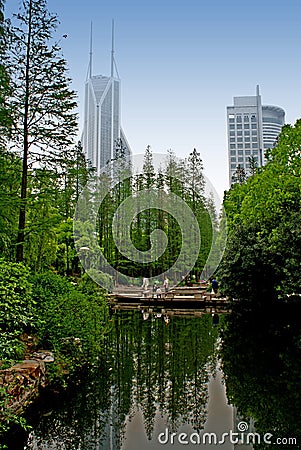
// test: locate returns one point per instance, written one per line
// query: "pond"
(163, 386)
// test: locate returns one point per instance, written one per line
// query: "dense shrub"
(97, 280)
(17, 308)
(71, 318)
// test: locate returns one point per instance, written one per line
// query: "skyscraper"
(252, 128)
(102, 116)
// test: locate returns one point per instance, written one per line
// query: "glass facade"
(252, 128)
(102, 127)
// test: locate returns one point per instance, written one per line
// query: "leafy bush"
(71, 321)
(67, 318)
(7, 416)
(95, 281)
(17, 307)
(10, 346)
(17, 316)
(102, 279)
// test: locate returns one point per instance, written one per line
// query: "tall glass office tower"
(102, 118)
(252, 128)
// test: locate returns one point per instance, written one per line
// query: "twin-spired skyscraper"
(102, 130)
(252, 128)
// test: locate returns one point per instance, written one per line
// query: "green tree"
(5, 89)
(174, 182)
(161, 218)
(41, 99)
(261, 363)
(203, 209)
(239, 175)
(149, 183)
(137, 229)
(195, 180)
(263, 251)
(71, 178)
(121, 173)
(10, 177)
(253, 165)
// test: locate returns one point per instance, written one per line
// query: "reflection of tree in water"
(154, 367)
(165, 368)
(78, 419)
(262, 365)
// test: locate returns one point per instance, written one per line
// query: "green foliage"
(261, 362)
(7, 416)
(17, 315)
(263, 251)
(50, 205)
(38, 193)
(11, 347)
(10, 177)
(151, 365)
(249, 270)
(239, 175)
(16, 302)
(102, 279)
(183, 179)
(5, 89)
(71, 318)
(165, 365)
(42, 103)
(68, 318)
(35, 96)
(39, 82)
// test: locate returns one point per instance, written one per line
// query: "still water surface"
(166, 378)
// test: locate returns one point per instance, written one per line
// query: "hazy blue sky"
(181, 63)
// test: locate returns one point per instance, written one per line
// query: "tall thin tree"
(42, 102)
(5, 116)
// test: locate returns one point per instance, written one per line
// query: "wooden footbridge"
(176, 298)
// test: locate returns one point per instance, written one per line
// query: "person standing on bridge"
(166, 284)
(214, 285)
(145, 284)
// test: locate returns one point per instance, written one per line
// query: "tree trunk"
(22, 213)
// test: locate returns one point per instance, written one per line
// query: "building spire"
(112, 51)
(91, 51)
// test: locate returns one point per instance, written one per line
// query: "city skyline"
(181, 66)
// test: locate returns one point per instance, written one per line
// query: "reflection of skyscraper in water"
(102, 116)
